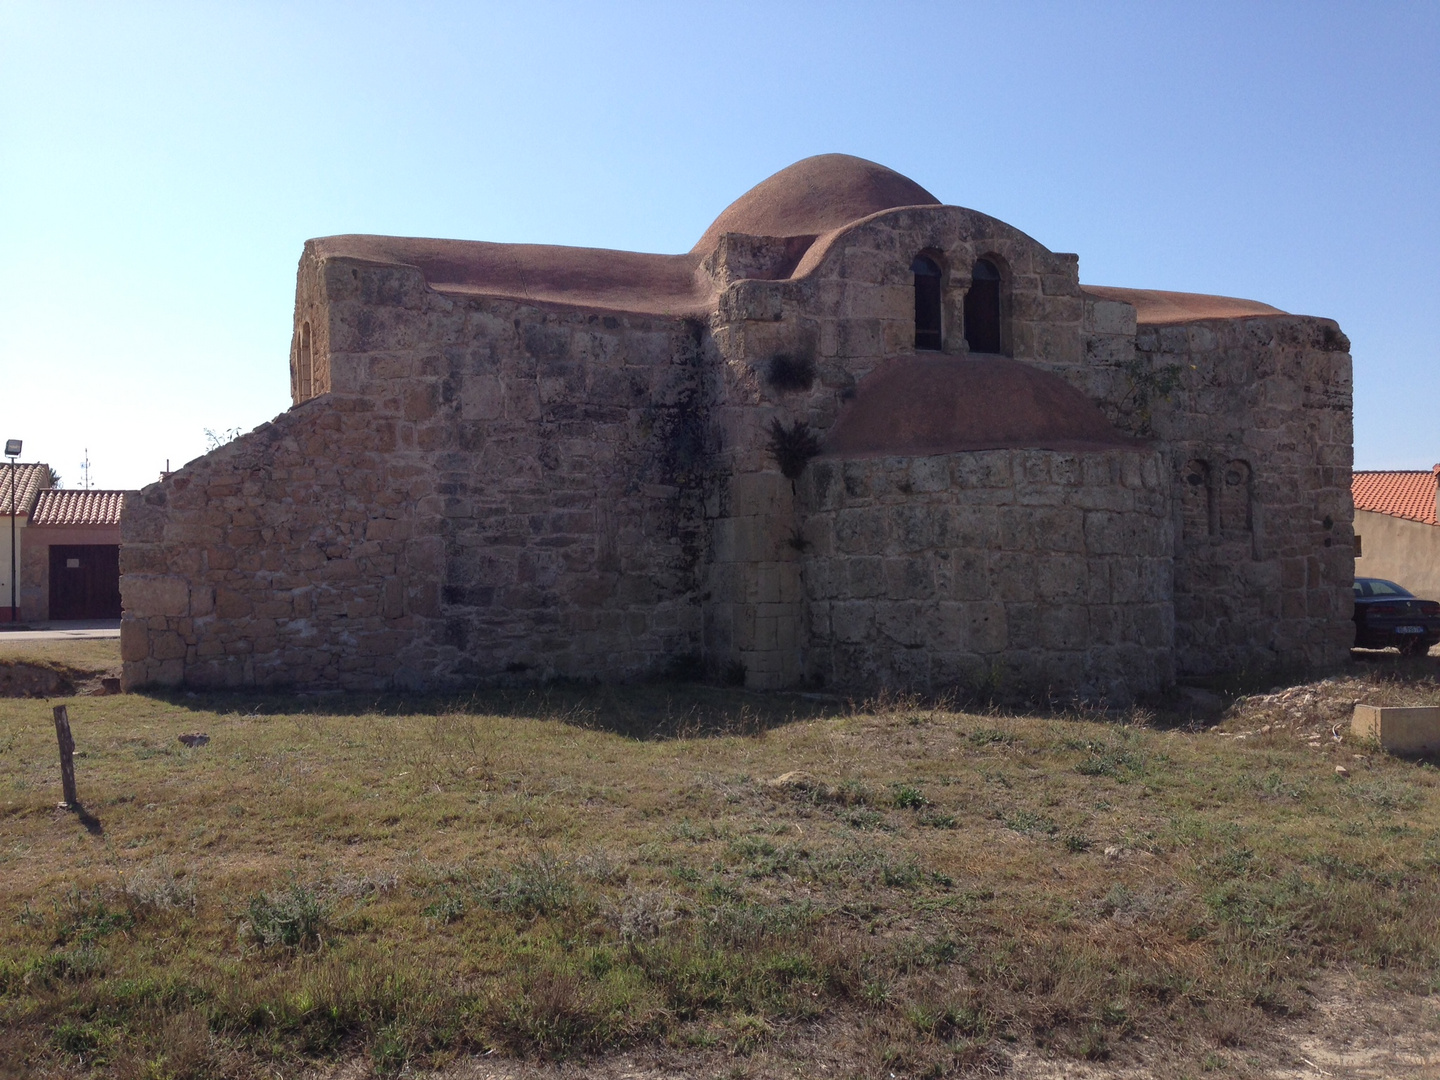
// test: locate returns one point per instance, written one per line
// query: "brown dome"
(914, 406)
(814, 196)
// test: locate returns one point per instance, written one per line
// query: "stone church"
(854, 438)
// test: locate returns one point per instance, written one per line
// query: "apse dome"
(941, 405)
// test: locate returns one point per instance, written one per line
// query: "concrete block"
(1401, 730)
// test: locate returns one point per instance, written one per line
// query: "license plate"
(1409, 629)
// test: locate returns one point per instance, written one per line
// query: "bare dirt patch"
(30, 668)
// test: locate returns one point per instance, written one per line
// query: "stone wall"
(1257, 437)
(488, 490)
(1030, 569)
(1253, 419)
(292, 555)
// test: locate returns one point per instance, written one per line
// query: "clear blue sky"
(162, 164)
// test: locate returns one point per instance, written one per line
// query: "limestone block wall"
(297, 554)
(488, 490)
(1103, 365)
(567, 450)
(1029, 569)
(1253, 418)
(1257, 438)
(310, 340)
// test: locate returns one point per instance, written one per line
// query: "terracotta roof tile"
(60, 507)
(29, 480)
(1403, 493)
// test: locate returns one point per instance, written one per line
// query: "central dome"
(814, 196)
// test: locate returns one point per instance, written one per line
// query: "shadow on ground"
(671, 710)
(645, 711)
(87, 819)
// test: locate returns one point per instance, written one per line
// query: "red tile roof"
(1404, 493)
(29, 480)
(59, 507)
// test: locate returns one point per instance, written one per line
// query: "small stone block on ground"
(1401, 730)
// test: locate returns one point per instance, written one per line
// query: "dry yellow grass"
(85, 656)
(565, 873)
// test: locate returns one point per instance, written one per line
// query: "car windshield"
(1378, 587)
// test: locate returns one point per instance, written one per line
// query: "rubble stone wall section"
(489, 490)
(293, 555)
(1000, 570)
(1258, 441)
(1253, 418)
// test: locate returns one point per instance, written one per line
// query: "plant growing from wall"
(216, 439)
(792, 447)
(1148, 384)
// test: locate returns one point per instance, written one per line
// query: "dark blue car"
(1386, 615)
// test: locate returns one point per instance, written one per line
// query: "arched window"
(1234, 497)
(927, 302)
(304, 368)
(1197, 501)
(982, 308)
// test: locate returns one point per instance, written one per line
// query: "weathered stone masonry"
(539, 510)
(931, 572)
(509, 462)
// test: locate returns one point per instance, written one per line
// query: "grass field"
(82, 656)
(757, 884)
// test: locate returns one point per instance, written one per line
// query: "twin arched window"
(927, 302)
(982, 306)
(982, 309)
(1216, 502)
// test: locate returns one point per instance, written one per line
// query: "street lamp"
(12, 451)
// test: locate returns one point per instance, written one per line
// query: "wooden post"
(67, 755)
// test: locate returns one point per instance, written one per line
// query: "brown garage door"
(85, 581)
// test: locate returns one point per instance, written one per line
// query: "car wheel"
(1414, 647)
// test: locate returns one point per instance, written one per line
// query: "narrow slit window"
(304, 372)
(927, 303)
(982, 308)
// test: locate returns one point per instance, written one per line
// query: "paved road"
(60, 631)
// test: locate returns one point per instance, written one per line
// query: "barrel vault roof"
(811, 198)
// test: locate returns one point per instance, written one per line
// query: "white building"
(20, 485)
(1397, 533)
